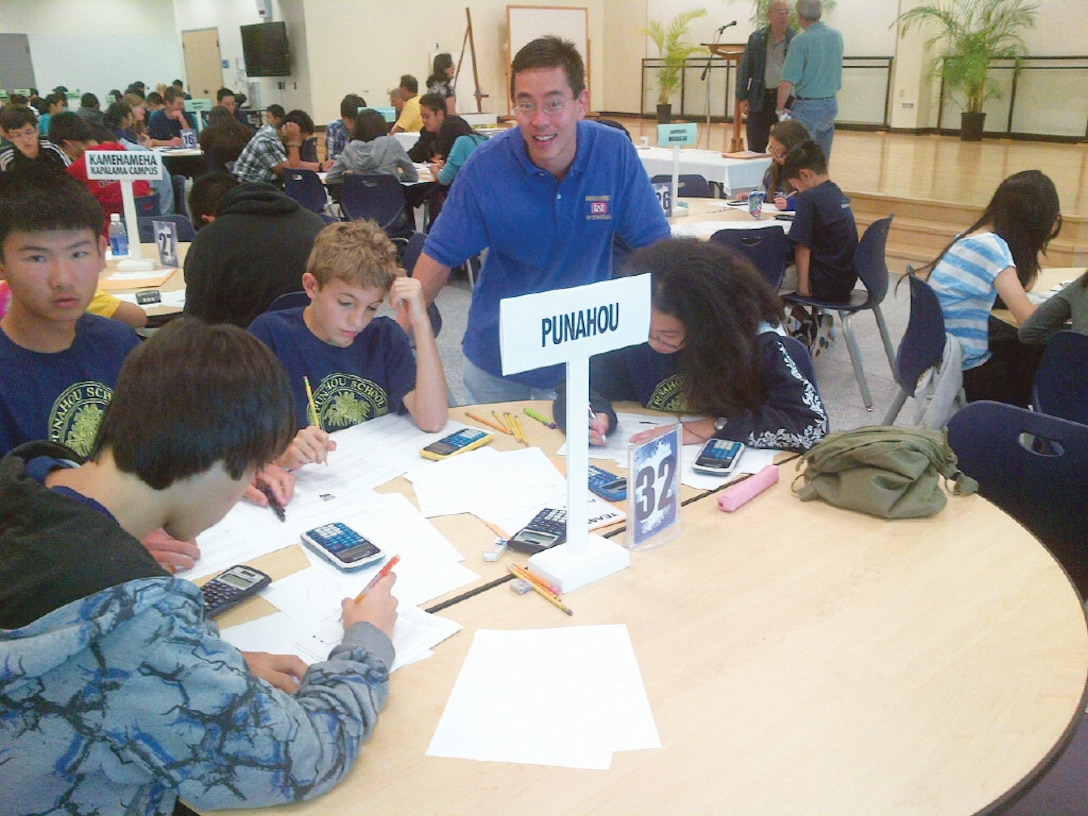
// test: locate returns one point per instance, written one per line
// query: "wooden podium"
(731, 52)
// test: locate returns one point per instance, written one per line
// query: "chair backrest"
(1035, 468)
(305, 187)
(147, 205)
(376, 197)
(766, 247)
(870, 263)
(412, 251)
(688, 185)
(146, 226)
(923, 342)
(288, 300)
(1061, 381)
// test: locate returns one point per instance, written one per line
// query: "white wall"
(96, 46)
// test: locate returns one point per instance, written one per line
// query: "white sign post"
(126, 166)
(676, 136)
(568, 326)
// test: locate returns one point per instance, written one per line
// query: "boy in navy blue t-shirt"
(355, 365)
(824, 238)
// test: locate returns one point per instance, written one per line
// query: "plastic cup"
(755, 203)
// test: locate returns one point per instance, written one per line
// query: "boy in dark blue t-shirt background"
(825, 238)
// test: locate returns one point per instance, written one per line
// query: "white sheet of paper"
(568, 696)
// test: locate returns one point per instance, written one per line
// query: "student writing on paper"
(714, 349)
(998, 255)
(120, 696)
(359, 366)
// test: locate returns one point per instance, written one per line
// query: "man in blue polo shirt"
(165, 126)
(547, 200)
(813, 74)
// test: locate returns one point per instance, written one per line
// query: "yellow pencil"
(525, 575)
(502, 421)
(312, 409)
(487, 422)
(508, 419)
(521, 430)
(554, 601)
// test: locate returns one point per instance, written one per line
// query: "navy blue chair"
(288, 300)
(412, 250)
(378, 198)
(146, 226)
(1061, 381)
(766, 247)
(922, 345)
(1035, 468)
(872, 268)
(305, 187)
(688, 185)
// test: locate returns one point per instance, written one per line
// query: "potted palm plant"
(970, 35)
(673, 50)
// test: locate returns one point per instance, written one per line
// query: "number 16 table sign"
(653, 490)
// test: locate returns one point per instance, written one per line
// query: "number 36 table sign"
(653, 494)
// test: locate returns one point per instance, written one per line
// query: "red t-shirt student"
(108, 192)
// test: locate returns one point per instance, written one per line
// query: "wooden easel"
(731, 52)
(471, 43)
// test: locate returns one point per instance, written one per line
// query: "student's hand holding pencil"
(377, 606)
(275, 480)
(310, 445)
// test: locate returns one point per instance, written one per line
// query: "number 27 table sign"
(653, 495)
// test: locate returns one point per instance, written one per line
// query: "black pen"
(273, 502)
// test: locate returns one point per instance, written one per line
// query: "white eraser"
(742, 492)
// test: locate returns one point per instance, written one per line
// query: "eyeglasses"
(551, 108)
(666, 343)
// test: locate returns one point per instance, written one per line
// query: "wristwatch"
(720, 423)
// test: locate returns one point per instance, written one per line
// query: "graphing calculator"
(460, 441)
(342, 546)
(231, 587)
(608, 486)
(719, 457)
(547, 529)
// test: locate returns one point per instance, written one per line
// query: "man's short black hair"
(42, 198)
(69, 127)
(434, 101)
(222, 94)
(302, 119)
(177, 83)
(17, 117)
(806, 156)
(277, 111)
(409, 83)
(350, 104)
(88, 100)
(550, 52)
(154, 98)
(208, 189)
(194, 395)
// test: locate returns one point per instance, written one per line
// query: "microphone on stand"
(706, 68)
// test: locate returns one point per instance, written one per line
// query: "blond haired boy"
(359, 366)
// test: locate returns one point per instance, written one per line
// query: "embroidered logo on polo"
(668, 395)
(77, 413)
(344, 400)
(600, 208)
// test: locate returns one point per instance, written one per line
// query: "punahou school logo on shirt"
(668, 395)
(344, 400)
(77, 413)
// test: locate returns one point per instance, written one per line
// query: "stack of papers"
(568, 697)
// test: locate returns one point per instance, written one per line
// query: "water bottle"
(118, 236)
(755, 202)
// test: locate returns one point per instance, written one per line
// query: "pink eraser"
(742, 492)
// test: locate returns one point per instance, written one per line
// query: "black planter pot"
(971, 124)
(664, 114)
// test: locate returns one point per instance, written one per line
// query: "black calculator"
(547, 529)
(607, 485)
(231, 587)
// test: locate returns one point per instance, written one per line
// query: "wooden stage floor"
(930, 167)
